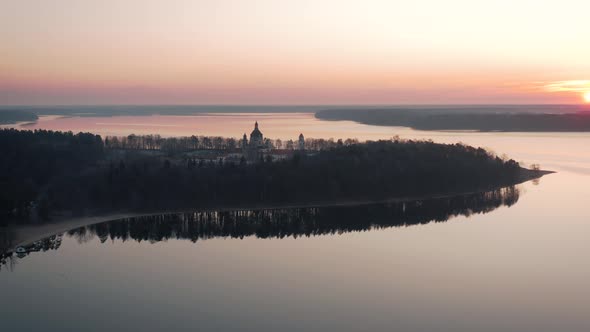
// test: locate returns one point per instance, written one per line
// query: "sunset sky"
(294, 52)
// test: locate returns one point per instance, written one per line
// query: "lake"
(479, 263)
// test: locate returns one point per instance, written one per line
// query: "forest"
(14, 116)
(451, 119)
(45, 172)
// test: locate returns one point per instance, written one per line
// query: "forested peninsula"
(14, 116)
(452, 119)
(45, 172)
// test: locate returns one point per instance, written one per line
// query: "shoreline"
(25, 235)
(451, 120)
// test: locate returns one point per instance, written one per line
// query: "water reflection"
(279, 223)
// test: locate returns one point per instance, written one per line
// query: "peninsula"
(46, 172)
(473, 118)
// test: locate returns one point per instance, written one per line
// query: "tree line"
(478, 118)
(45, 171)
(367, 171)
(189, 143)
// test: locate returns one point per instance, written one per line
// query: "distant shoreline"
(462, 120)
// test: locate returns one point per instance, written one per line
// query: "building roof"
(256, 132)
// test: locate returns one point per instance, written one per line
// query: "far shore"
(453, 120)
(24, 235)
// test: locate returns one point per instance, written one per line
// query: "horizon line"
(293, 105)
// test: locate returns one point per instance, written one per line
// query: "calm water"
(521, 266)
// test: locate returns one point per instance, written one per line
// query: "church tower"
(256, 138)
(301, 142)
(244, 142)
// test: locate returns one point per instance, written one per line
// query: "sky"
(294, 52)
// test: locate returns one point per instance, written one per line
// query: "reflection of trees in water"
(51, 243)
(280, 223)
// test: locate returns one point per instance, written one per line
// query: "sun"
(587, 97)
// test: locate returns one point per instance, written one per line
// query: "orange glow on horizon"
(587, 97)
(292, 52)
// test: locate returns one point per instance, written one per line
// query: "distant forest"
(450, 119)
(14, 114)
(9, 116)
(43, 172)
